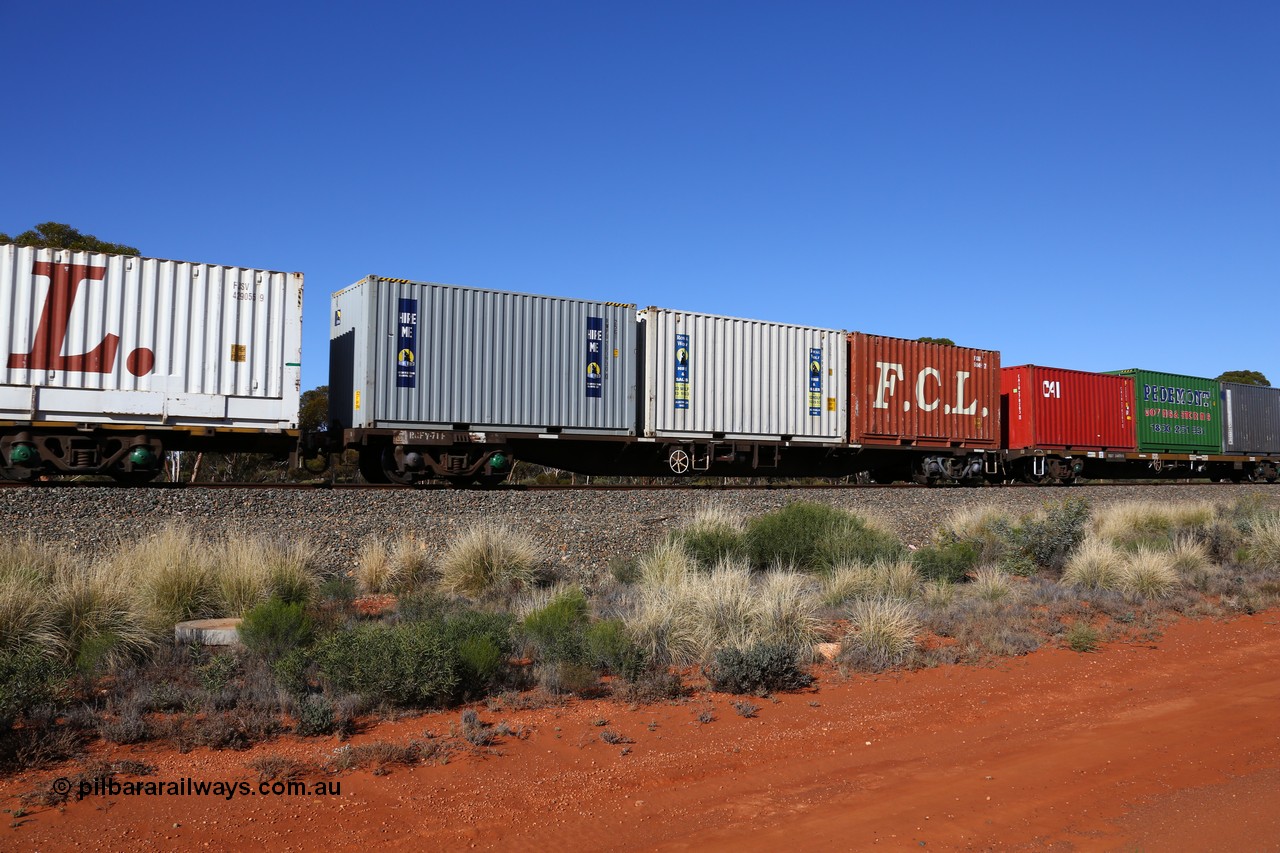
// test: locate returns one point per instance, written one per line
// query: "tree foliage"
(1245, 377)
(313, 409)
(946, 342)
(59, 235)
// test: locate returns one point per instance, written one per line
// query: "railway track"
(587, 487)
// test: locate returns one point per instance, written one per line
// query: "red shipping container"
(912, 394)
(1051, 408)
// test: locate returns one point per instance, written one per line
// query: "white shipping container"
(88, 338)
(420, 355)
(724, 378)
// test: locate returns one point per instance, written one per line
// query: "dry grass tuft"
(991, 584)
(1129, 525)
(1094, 565)
(897, 579)
(490, 558)
(882, 634)
(1148, 574)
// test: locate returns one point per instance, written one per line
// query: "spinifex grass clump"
(489, 560)
(1155, 525)
(684, 616)
(897, 579)
(1095, 565)
(404, 566)
(882, 633)
(712, 535)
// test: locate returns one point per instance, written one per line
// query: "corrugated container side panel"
(150, 335)
(1054, 408)
(492, 359)
(1250, 419)
(1176, 413)
(742, 378)
(911, 393)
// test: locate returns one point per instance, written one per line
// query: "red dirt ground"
(1167, 746)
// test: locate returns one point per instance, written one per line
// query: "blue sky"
(1088, 185)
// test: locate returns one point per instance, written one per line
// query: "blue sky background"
(1089, 185)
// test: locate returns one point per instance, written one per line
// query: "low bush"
(760, 668)
(711, 536)
(1051, 535)
(410, 664)
(557, 632)
(29, 677)
(483, 643)
(611, 648)
(275, 628)
(949, 561)
(813, 536)
(1082, 637)
(314, 716)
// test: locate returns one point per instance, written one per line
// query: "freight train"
(110, 361)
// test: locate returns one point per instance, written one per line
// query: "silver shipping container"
(1250, 419)
(88, 338)
(719, 377)
(415, 355)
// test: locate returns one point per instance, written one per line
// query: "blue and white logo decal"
(682, 372)
(595, 356)
(407, 346)
(815, 383)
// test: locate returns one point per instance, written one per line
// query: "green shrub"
(216, 673)
(854, 540)
(611, 648)
(708, 545)
(1082, 637)
(484, 644)
(293, 672)
(949, 562)
(314, 717)
(1050, 536)
(557, 632)
(793, 535)
(274, 628)
(28, 678)
(760, 668)
(411, 664)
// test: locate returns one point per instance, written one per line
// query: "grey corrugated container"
(479, 359)
(117, 339)
(1250, 419)
(747, 379)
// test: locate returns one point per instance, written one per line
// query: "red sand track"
(1169, 746)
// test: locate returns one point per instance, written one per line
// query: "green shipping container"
(1176, 414)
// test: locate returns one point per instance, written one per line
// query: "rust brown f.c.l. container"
(911, 394)
(1049, 408)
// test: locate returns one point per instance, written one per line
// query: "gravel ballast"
(580, 530)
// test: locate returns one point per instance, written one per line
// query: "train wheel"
(371, 466)
(678, 460)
